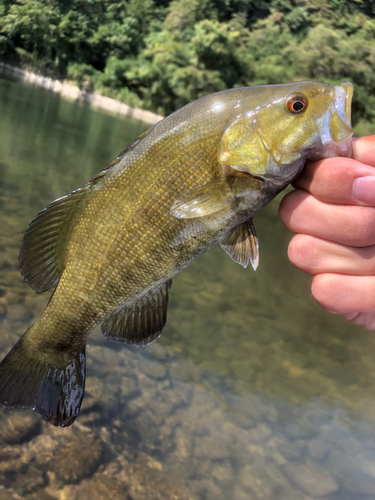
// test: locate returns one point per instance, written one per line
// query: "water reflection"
(252, 392)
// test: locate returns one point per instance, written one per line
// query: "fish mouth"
(335, 130)
(349, 90)
(335, 126)
(273, 180)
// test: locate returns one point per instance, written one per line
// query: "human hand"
(333, 212)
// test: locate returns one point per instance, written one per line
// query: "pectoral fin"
(142, 322)
(205, 200)
(242, 245)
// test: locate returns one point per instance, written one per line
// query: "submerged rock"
(20, 428)
(357, 471)
(98, 488)
(311, 478)
(78, 458)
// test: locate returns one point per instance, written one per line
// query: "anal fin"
(142, 322)
(242, 244)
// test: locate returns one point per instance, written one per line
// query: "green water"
(252, 391)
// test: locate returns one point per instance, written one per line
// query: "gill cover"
(242, 147)
(268, 140)
(296, 122)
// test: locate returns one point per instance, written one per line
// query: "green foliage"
(161, 54)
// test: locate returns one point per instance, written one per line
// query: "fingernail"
(364, 189)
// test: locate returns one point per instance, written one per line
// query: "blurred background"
(160, 54)
(252, 392)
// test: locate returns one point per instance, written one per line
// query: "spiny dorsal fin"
(142, 322)
(43, 248)
(204, 200)
(42, 254)
(242, 245)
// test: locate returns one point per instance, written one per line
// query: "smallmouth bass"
(195, 179)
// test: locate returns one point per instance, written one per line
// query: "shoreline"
(72, 92)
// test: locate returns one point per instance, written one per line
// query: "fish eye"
(296, 104)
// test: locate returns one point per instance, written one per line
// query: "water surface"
(252, 391)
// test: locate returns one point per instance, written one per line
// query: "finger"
(364, 319)
(339, 180)
(315, 256)
(344, 224)
(344, 294)
(364, 150)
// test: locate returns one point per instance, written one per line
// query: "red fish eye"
(296, 104)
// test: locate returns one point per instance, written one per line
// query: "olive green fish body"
(194, 179)
(132, 241)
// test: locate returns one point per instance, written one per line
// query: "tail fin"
(28, 381)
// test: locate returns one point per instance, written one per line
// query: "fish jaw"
(335, 126)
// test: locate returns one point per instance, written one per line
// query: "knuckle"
(322, 289)
(291, 206)
(301, 251)
(363, 226)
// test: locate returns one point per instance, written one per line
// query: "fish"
(111, 247)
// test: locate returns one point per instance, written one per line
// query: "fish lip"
(343, 101)
(349, 91)
(341, 105)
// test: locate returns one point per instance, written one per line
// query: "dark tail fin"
(28, 381)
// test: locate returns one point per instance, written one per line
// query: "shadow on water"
(252, 392)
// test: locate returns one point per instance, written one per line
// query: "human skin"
(332, 210)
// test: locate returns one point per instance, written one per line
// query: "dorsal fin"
(142, 322)
(42, 253)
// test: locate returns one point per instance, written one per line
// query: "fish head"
(285, 125)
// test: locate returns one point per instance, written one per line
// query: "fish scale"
(195, 179)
